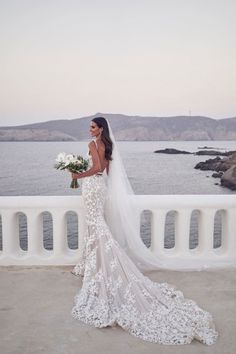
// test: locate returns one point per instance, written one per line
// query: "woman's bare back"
(101, 153)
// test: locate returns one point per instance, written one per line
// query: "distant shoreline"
(126, 141)
(127, 128)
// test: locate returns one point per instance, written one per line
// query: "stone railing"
(159, 205)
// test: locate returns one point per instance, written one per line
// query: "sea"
(27, 169)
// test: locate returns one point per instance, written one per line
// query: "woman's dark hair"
(105, 136)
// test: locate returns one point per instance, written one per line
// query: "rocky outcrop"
(172, 151)
(217, 174)
(225, 168)
(216, 164)
(214, 153)
(229, 178)
(201, 152)
(206, 147)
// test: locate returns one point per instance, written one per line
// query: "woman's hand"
(74, 175)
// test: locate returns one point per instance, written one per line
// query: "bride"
(115, 291)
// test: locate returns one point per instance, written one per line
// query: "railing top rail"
(149, 201)
(178, 201)
(41, 201)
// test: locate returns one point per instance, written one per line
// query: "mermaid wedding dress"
(115, 292)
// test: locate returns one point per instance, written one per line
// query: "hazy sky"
(71, 58)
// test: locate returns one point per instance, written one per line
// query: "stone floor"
(36, 302)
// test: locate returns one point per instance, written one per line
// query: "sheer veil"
(123, 220)
(121, 216)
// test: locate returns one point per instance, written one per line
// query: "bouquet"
(72, 163)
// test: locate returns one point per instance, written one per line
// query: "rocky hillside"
(16, 134)
(126, 128)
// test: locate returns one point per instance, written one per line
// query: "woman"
(114, 290)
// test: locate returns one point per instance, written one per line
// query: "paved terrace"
(35, 305)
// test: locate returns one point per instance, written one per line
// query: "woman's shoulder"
(92, 146)
(92, 143)
(99, 145)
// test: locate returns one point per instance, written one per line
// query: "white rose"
(61, 157)
(74, 160)
(69, 157)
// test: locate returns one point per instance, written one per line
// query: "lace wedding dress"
(115, 292)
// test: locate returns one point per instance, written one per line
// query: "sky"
(65, 59)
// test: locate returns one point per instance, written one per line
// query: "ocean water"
(27, 169)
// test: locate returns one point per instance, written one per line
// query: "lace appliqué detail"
(115, 292)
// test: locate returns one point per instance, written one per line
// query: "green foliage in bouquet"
(72, 163)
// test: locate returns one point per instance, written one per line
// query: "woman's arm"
(96, 163)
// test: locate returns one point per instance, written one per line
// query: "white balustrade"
(207, 205)
(159, 205)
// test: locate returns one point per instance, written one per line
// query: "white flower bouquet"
(71, 163)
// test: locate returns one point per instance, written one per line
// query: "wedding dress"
(115, 292)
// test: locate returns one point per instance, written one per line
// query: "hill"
(131, 128)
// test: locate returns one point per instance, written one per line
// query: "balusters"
(158, 231)
(228, 244)
(206, 231)
(158, 205)
(10, 233)
(59, 233)
(35, 232)
(182, 231)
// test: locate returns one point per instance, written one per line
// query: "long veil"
(121, 216)
(123, 221)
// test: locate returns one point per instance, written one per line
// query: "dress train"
(115, 292)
